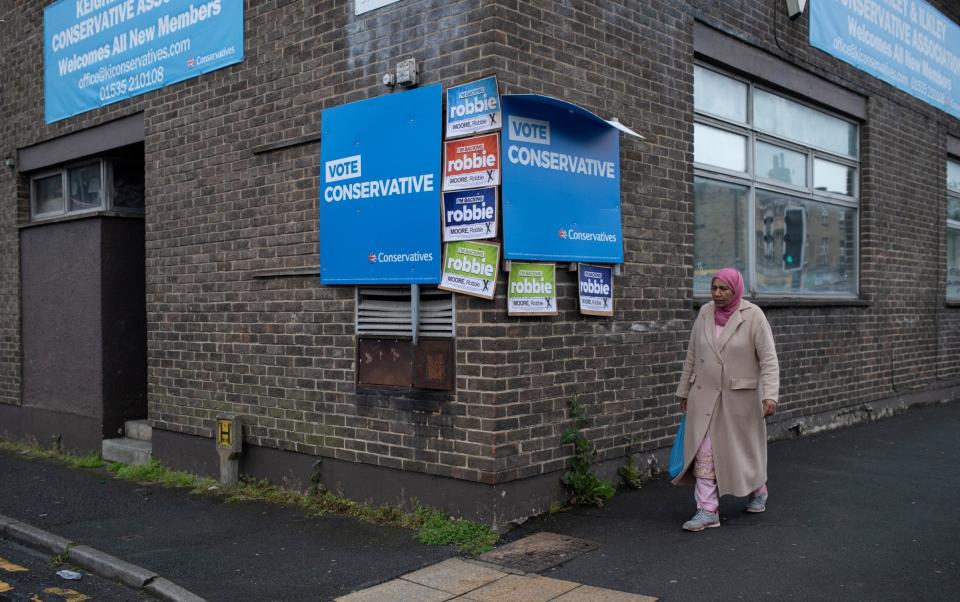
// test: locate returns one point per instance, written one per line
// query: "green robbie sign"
(470, 268)
(532, 289)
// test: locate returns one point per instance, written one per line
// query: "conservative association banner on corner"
(906, 43)
(380, 189)
(98, 52)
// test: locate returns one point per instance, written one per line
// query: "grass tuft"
(432, 526)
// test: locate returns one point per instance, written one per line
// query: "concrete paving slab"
(586, 593)
(455, 576)
(397, 590)
(527, 588)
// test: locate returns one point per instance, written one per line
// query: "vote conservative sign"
(906, 43)
(98, 52)
(561, 182)
(380, 189)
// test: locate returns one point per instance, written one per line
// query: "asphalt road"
(862, 513)
(868, 512)
(27, 575)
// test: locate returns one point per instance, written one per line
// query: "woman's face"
(722, 294)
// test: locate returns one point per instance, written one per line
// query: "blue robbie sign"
(561, 182)
(906, 43)
(97, 52)
(380, 190)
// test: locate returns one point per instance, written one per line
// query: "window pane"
(48, 195)
(804, 247)
(953, 208)
(720, 231)
(781, 164)
(953, 176)
(833, 177)
(718, 147)
(127, 184)
(85, 186)
(719, 95)
(953, 264)
(795, 121)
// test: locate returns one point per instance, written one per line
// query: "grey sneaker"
(702, 520)
(757, 504)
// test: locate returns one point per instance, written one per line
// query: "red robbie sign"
(471, 162)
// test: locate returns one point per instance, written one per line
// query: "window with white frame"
(775, 190)
(953, 230)
(109, 183)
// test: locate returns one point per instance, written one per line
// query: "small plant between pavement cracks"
(587, 487)
(433, 527)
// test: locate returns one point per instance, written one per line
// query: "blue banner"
(380, 189)
(906, 43)
(561, 182)
(97, 52)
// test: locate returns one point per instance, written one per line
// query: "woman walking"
(730, 383)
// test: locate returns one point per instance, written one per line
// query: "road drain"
(538, 552)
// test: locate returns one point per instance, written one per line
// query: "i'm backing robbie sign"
(532, 289)
(471, 268)
(378, 198)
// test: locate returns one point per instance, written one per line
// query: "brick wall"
(237, 323)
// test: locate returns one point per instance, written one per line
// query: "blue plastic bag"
(675, 465)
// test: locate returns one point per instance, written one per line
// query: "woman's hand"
(683, 405)
(769, 407)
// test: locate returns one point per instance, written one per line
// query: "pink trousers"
(706, 492)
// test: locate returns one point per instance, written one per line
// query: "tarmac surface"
(867, 512)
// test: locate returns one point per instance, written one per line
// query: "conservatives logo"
(415, 257)
(571, 234)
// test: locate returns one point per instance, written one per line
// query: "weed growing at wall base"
(587, 487)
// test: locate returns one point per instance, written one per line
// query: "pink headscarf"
(734, 280)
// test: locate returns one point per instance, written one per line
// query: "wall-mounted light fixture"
(795, 8)
(9, 162)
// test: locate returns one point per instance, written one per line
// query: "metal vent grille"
(390, 312)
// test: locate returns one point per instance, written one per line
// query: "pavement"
(867, 512)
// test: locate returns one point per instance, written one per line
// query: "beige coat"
(724, 382)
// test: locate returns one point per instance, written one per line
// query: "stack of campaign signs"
(556, 170)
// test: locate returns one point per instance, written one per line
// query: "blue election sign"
(473, 108)
(97, 52)
(379, 189)
(596, 289)
(470, 214)
(910, 45)
(561, 182)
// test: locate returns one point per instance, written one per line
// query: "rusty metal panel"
(433, 365)
(385, 362)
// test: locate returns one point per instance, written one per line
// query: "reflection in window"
(84, 184)
(720, 228)
(719, 148)
(833, 177)
(719, 95)
(953, 177)
(781, 164)
(831, 272)
(128, 186)
(953, 264)
(792, 120)
(47, 194)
